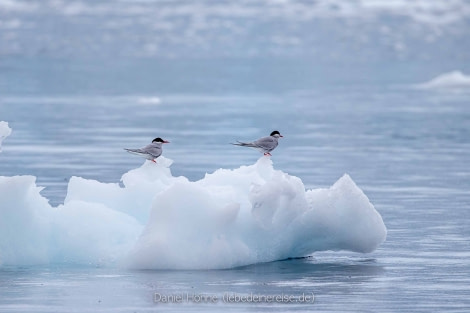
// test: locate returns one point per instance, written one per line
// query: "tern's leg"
(153, 161)
(267, 153)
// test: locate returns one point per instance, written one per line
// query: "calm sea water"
(72, 112)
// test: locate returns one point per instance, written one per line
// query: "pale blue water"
(78, 83)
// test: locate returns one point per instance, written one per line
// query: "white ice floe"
(450, 80)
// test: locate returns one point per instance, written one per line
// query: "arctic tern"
(264, 145)
(150, 151)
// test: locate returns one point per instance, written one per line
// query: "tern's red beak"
(164, 141)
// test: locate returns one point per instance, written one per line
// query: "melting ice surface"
(154, 220)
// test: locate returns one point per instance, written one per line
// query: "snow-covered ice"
(154, 220)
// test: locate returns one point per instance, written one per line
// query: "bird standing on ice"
(151, 151)
(264, 145)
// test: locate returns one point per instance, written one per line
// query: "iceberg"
(250, 215)
(153, 220)
(156, 221)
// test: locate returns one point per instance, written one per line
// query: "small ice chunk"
(5, 131)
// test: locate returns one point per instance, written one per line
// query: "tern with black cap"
(265, 144)
(150, 151)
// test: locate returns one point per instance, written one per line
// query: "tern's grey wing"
(266, 143)
(140, 152)
(154, 149)
(136, 151)
(244, 144)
